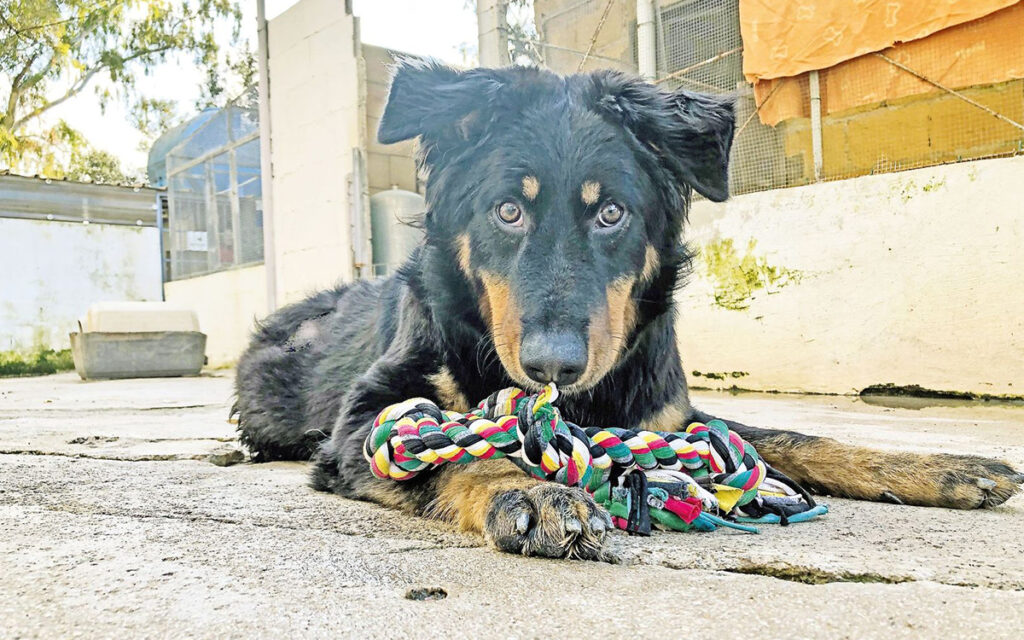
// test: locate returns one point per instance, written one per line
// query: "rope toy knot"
(676, 479)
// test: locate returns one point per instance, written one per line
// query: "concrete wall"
(50, 272)
(228, 304)
(392, 164)
(318, 115)
(315, 123)
(905, 278)
(569, 25)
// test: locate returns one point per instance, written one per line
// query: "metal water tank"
(393, 237)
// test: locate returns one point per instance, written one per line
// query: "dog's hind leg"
(827, 466)
(269, 405)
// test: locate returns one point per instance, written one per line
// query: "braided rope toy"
(677, 480)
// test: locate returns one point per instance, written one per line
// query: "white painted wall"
(50, 272)
(909, 278)
(315, 124)
(228, 304)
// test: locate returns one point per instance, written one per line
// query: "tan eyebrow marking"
(590, 192)
(531, 187)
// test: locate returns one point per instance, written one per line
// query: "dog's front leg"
(515, 512)
(519, 514)
(828, 466)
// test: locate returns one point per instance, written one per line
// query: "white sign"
(196, 241)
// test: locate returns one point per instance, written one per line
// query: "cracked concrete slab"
(147, 419)
(99, 538)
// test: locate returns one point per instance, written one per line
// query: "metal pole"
(266, 162)
(646, 41)
(816, 125)
(159, 206)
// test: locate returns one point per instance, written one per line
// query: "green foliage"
(522, 34)
(94, 165)
(40, 363)
(51, 50)
(737, 277)
(152, 117)
(223, 81)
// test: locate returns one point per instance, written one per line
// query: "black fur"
(317, 372)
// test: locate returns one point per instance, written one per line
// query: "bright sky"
(443, 29)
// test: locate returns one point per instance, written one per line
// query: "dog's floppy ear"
(434, 101)
(691, 132)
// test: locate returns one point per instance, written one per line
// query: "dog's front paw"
(950, 481)
(548, 520)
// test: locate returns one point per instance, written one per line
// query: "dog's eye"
(510, 213)
(611, 214)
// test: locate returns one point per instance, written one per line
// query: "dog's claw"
(889, 496)
(985, 483)
(598, 524)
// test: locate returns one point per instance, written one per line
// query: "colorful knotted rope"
(683, 478)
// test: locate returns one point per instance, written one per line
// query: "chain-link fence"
(954, 95)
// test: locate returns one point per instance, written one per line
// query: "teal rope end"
(719, 522)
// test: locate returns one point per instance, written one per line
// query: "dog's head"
(560, 200)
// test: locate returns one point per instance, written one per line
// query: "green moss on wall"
(38, 363)
(735, 276)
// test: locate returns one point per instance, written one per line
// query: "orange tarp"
(984, 51)
(787, 37)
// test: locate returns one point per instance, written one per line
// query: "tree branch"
(77, 87)
(16, 89)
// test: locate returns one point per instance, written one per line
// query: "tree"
(94, 165)
(152, 117)
(228, 80)
(51, 50)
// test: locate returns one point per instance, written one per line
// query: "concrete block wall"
(567, 24)
(392, 164)
(315, 123)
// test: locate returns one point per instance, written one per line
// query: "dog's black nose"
(558, 357)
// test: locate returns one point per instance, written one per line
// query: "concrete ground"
(115, 522)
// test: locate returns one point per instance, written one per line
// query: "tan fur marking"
(591, 192)
(463, 254)
(500, 310)
(531, 187)
(651, 263)
(670, 418)
(609, 328)
(465, 492)
(390, 494)
(448, 392)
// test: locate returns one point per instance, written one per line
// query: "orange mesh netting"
(980, 51)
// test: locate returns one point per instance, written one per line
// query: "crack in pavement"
(813, 575)
(251, 523)
(154, 457)
(89, 410)
(817, 576)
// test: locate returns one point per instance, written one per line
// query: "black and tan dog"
(556, 207)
